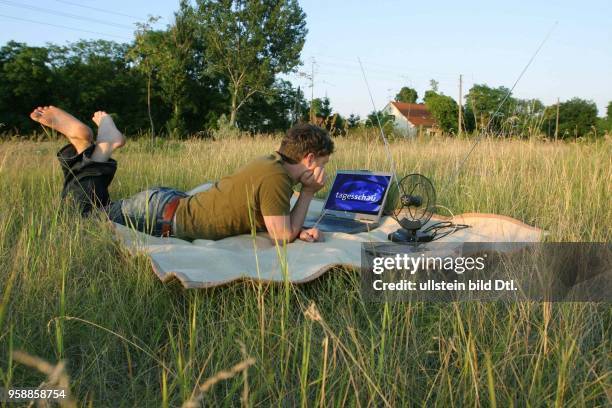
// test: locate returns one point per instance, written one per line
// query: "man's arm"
(289, 227)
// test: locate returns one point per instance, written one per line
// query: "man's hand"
(313, 180)
(311, 235)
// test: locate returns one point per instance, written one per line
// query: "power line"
(380, 76)
(353, 68)
(99, 9)
(348, 69)
(62, 26)
(382, 66)
(62, 14)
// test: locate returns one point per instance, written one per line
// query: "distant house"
(410, 117)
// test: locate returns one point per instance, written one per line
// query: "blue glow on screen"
(362, 193)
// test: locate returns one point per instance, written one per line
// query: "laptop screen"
(358, 193)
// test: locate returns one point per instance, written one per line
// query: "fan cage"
(414, 185)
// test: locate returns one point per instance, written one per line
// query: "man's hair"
(305, 138)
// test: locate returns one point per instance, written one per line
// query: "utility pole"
(557, 121)
(311, 78)
(312, 90)
(460, 103)
(296, 115)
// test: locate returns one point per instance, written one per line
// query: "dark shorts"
(87, 181)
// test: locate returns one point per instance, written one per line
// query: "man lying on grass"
(257, 195)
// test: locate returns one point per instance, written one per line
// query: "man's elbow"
(280, 229)
(283, 236)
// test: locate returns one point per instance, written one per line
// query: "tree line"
(218, 64)
(495, 110)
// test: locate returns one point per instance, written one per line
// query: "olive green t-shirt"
(223, 210)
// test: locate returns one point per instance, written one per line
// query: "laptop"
(355, 202)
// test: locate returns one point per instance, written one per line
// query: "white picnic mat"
(206, 263)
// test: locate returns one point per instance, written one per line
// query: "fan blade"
(412, 200)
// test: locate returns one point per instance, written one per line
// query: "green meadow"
(70, 294)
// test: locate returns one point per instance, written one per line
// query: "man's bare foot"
(109, 137)
(78, 133)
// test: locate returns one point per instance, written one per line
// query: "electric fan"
(413, 206)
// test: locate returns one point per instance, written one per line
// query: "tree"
(81, 77)
(577, 117)
(407, 95)
(353, 121)
(484, 107)
(165, 68)
(433, 84)
(27, 81)
(444, 110)
(525, 118)
(93, 75)
(323, 116)
(143, 54)
(173, 61)
(271, 111)
(163, 81)
(375, 116)
(605, 124)
(336, 124)
(176, 62)
(321, 107)
(387, 121)
(428, 94)
(249, 42)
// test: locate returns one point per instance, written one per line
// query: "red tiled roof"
(416, 113)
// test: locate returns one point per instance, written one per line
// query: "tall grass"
(68, 291)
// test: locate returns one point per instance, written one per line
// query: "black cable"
(447, 227)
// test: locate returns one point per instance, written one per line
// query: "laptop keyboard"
(340, 221)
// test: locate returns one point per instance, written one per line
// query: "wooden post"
(460, 104)
(296, 116)
(557, 121)
(312, 90)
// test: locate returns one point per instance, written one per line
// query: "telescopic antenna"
(382, 132)
(482, 133)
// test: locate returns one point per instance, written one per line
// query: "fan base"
(409, 235)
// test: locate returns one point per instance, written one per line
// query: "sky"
(400, 43)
